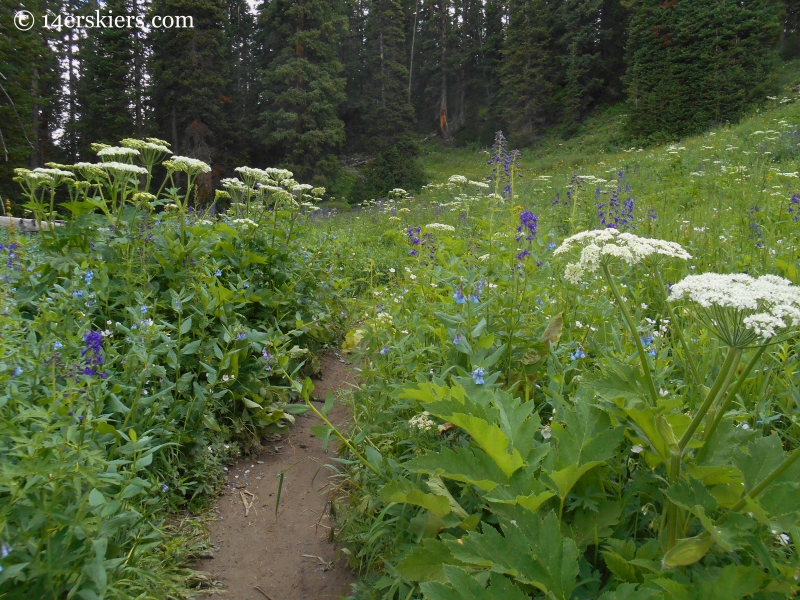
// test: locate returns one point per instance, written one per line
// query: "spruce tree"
(698, 62)
(389, 118)
(106, 90)
(191, 79)
(302, 86)
(528, 69)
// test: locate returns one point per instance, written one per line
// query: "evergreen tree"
(302, 87)
(389, 116)
(243, 94)
(191, 80)
(527, 69)
(698, 62)
(106, 89)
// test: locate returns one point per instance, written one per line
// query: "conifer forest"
(400, 299)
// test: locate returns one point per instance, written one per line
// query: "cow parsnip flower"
(439, 227)
(742, 308)
(117, 151)
(184, 164)
(118, 167)
(608, 245)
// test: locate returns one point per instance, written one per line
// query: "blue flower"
(88, 277)
(16, 372)
(478, 374)
(652, 352)
(457, 339)
(523, 254)
(459, 296)
(164, 488)
(579, 353)
(385, 350)
(78, 294)
(474, 299)
(144, 309)
(58, 346)
(242, 335)
(647, 340)
(551, 245)
(218, 273)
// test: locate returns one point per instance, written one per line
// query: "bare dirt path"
(291, 558)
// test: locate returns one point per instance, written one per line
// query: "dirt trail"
(290, 559)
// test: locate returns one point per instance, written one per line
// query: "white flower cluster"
(248, 222)
(611, 244)
(458, 180)
(122, 168)
(768, 301)
(384, 318)
(117, 151)
(439, 227)
(142, 145)
(422, 422)
(192, 166)
(480, 184)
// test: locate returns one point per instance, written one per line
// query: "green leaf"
(250, 404)
(437, 486)
(191, 347)
(472, 466)
(552, 332)
(534, 501)
(96, 498)
(628, 591)
(619, 566)
(210, 422)
(688, 551)
(760, 457)
(532, 551)
(564, 479)
(329, 399)
(492, 440)
(485, 342)
(467, 587)
(590, 527)
(426, 561)
(730, 583)
(403, 491)
(688, 494)
(323, 432)
(186, 325)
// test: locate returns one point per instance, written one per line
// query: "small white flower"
(391, 270)
(637, 449)
(663, 393)
(644, 306)
(547, 433)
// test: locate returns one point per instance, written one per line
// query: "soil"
(257, 557)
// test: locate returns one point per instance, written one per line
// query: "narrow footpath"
(257, 557)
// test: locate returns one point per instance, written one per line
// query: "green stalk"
(678, 330)
(720, 385)
(672, 509)
(634, 332)
(726, 402)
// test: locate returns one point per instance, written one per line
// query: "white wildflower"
(422, 422)
(192, 166)
(637, 449)
(607, 244)
(439, 227)
(458, 180)
(119, 167)
(118, 151)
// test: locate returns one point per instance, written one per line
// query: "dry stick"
(266, 595)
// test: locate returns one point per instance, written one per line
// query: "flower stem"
(635, 333)
(678, 330)
(720, 385)
(726, 402)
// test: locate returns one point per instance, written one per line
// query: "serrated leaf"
(564, 479)
(691, 493)
(628, 591)
(759, 458)
(619, 566)
(492, 440)
(426, 562)
(732, 582)
(472, 466)
(403, 491)
(467, 587)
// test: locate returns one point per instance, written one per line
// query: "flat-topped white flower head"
(458, 180)
(117, 151)
(439, 227)
(600, 245)
(146, 146)
(742, 308)
(191, 166)
(118, 167)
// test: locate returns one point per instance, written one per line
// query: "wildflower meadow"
(578, 378)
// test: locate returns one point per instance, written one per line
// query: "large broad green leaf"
(403, 491)
(730, 583)
(691, 493)
(761, 457)
(426, 562)
(564, 479)
(725, 439)
(587, 435)
(628, 591)
(472, 466)
(592, 527)
(618, 381)
(492, 440)
(467, 587)
(437, 486)
(517, 420)
(532, 551)
(644, 423)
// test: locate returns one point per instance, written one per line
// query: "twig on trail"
(247, 506)
(266, 595)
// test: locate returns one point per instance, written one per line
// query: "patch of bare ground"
(291, 558)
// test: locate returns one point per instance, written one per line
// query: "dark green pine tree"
(389, 116)
(695, 63)
(191, 81)
(527, 71)
(302, 86)
(106, 92)
(239, 38)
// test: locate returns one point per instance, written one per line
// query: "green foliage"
(681, 81)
